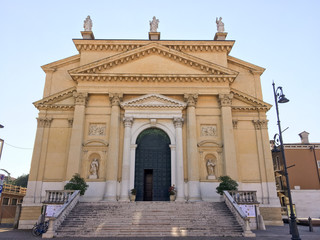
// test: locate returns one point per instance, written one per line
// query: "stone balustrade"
(57, 196)
(58, 218)
(244, 197)
(240, 216)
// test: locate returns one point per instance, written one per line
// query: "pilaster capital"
(81, 98)
(70, 122)
(235, 124)
(256, 124)
(178, 122)
(44, 122)
(115, 98)
(225, 100)
(128, 121)
(260, 124)
(191, 99)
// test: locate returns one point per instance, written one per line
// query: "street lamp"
(279, 97)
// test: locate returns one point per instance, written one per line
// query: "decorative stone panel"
(208, 130)
(97, 129)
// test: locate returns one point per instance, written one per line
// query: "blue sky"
(281, 36)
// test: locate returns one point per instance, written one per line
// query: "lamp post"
(1, 143)
(279, 97)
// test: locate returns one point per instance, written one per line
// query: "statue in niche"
(154, 24)
(220, 25)
(94, 167)
(210, 169)
(87, 24)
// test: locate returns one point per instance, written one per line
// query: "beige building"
(148, 114)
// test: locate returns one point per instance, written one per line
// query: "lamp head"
(1, 126)
(281, 96)
(283, 99)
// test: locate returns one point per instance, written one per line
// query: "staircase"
(149, 219)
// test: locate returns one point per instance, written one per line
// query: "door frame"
(137, 128)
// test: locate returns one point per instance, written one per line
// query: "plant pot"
(172, 198)
(132, 198)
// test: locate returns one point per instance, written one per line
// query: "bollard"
(310, 224)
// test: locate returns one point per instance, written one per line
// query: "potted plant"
(133, 193)
(172, 192)
(227, 184)
(77, 183)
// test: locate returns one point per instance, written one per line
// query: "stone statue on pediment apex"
(154, 24)
(220, 25)
(87, 24)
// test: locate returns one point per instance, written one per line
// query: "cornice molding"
(183, 46)
(251, 67)
(60, 63)
(153, 48)
(47, 103)
(255, 103)
(151, 78)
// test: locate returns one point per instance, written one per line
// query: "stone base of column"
(111, 191)
(124, 199)
(180, 199)
(194, 191)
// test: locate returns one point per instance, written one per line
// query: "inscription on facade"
(208, 130)
(97, 129)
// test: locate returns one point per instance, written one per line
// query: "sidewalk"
(273, 233)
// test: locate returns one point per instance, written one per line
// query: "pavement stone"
(272, 232)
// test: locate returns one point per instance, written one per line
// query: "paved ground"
(274, 233)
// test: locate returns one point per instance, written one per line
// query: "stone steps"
(148, 219)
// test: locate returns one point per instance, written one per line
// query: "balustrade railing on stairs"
(57, 196)
(244, 197)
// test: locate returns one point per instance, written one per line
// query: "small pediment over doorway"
(153, 101)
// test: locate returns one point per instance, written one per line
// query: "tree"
(77, 183)
(227, 183)
(21, 181)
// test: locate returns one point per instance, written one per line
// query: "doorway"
(148, 185)
(152, 166)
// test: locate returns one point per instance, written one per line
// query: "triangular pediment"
(153, 101)
(243, 101)
(150, 60)
(62, 100)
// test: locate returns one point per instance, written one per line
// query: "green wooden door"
(153, 161)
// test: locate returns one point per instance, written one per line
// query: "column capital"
(115, 98)
(225, 100)
(128, 121)
(44, 122)
(191, 99)
(81, 98)
(178, 122)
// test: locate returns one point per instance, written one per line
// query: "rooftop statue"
(220, 25)
(154, 24)
(87, 24)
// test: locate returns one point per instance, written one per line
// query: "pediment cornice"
(49, 102)
(125, 45)
(54, 65)
(206, 67)
(153, 101)
(251, 67)
(254, 103)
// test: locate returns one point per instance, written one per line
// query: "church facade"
(150, 114)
